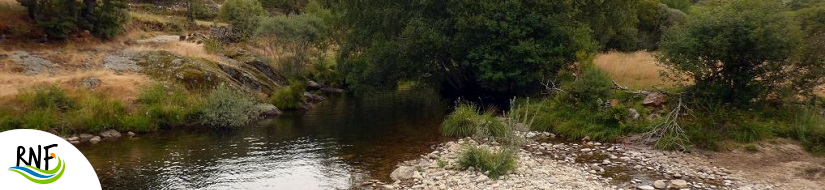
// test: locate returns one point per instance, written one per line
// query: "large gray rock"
(120, 61)
(110, 134)
(86, 137)
(312, 85)
(268, 110)
(402, 173)
(31, 63)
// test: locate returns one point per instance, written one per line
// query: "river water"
(337, 144)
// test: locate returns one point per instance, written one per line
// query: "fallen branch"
(669, 128)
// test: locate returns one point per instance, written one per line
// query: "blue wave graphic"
(31, 172)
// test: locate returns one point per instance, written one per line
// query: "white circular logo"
(40, 160)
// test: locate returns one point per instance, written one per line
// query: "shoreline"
(547, 162)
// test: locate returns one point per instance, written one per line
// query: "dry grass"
(637, 70)
(125, 87)
(181, 48)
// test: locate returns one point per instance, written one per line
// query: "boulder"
(74, 138)
(130, 134)
(654, 99)
(402, 173)
(95, 140)
(268, 110)
(312, 98)
(110, 134)
(86, 137)
(645, 187)
(312, 85)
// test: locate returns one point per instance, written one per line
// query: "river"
(337, 144)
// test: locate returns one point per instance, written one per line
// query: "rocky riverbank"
(548, 162)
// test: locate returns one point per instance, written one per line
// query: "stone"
(91, 82)
(586, 150)
(130, 134)
(678, 184)
(659, 184)
(31, 63)
(417, 175)
(95, 140)
(645, 187)
(654, 99)
(110, 134)
(312, 98)
(633, 113)
(86, 137)
(74, 142)
(402, 173)
(73, 138)
(312, 85)
(268, 110)
(482, 178)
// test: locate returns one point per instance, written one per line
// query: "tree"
(735, 51)
(812, 56)
(242, 15)
(294, 40)
(59, 18)
(469, 46)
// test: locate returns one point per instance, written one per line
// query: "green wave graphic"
(49, 180)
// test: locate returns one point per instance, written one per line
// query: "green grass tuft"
(225, 107)
(494, 164)
(290, 97)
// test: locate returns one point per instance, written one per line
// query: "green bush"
(212, 46)
(51, 97)
(495, 164)
(61, 18)
(290, 97)
(225, 107)
(583, 109)
(242, 15)
(735, 51)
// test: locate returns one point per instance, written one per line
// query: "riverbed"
(337, 144)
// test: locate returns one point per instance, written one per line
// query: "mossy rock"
(201, 74)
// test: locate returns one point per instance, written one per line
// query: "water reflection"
(341, 142)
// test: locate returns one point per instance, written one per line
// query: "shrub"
(51, 97)
(242, 15)
(735, 51)
(162, 106)
(494, 164)
(61, 18)
(224, 107)
(212, 46)
(290, 97)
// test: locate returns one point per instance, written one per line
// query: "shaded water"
(335, 145)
